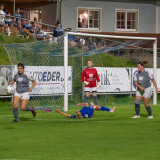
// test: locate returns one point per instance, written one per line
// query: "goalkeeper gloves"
(99, 84)
(86, 83)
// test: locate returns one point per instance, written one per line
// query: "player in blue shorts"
(86, 112)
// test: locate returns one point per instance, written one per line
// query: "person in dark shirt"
(8, 20)
(25, 28)
(15, 26)
(22, 92)
(58, 30)
(17, 14)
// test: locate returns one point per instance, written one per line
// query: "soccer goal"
(115, 58)
(57, 67)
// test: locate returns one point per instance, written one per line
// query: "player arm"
(137, 85)
(155, 85)
(12, 82)
(33, 84)
(62, 113)
(82, 76)
(98, 79)
(82, 104)
(154, 82)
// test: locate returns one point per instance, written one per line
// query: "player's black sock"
(137, 108)
(15, 112)
(95, 100)
(149, 110)
(87, 99)
(29, 109)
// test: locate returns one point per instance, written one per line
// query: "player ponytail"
(78, 115)
(142, 63)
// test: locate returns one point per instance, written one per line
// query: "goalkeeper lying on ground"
(86, 112)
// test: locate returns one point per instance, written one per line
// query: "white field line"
(69, 120)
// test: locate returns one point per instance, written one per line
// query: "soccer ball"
(10, 89)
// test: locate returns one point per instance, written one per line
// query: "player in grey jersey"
(22, 91)
(142, 80)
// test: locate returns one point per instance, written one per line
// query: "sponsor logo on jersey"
(20, 79)
(90, 75)
(140, 78)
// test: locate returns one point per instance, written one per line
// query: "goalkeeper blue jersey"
(86, 112)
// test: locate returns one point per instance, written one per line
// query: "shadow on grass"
(9, 128)
(24, 119)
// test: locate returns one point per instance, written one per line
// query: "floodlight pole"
(14, 6)
(65, 71)
(155, 70)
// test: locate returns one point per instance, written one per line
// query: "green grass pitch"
(105, 136)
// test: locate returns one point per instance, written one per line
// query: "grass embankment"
(4, 39)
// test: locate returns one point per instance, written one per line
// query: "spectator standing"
(36, 21)
(58, 30)
(8, 20)
(2, 17)
(17, 14)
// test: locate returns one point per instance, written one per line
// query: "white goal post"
(66, 34)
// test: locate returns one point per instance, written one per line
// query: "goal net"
(57, 67)
(115, 58)
(44, 61)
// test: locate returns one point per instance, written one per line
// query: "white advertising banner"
(114, 79)
(5, 78)
(49, 79)
(158, 79)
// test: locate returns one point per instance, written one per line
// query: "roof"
(28, 4)
(156, 2)
(28, 1)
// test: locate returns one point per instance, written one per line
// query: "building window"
(127, 20)
(88, 19)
